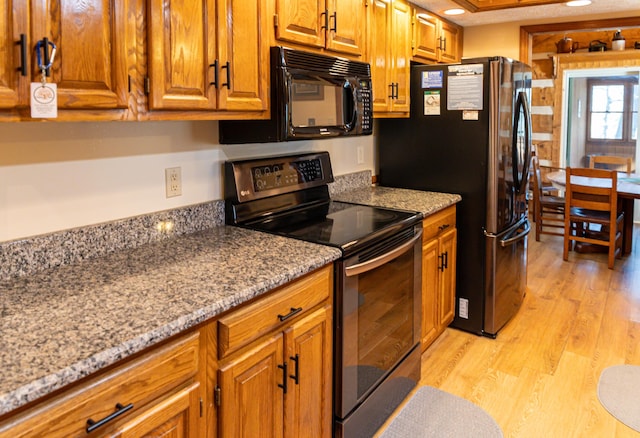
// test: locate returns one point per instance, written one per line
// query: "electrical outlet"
(173, 180)
(360, 151)
(463, 308)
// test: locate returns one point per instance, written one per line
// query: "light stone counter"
(63, 323)
(404, 199)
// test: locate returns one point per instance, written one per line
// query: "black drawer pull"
(290, 314)
(443, 227)
(93, 425)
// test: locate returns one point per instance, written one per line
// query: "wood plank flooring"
(539, 377)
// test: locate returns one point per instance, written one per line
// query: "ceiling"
(514, 11)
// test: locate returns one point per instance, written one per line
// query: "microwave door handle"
(354, 102)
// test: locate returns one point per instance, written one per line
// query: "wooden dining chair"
(626, 162)
(548, 209)
(595, 203)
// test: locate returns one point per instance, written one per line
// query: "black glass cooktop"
(344, 225)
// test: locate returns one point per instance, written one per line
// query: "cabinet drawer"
(437, 223)
(136, 383)
(262, 316)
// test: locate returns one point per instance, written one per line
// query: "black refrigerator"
(470, 133)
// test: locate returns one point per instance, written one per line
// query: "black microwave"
(312, 96)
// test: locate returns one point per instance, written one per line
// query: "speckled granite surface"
(64, 323)
(28, 256)
(404, 199)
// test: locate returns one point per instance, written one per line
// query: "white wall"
(55, 176)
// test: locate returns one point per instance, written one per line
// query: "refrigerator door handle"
(521, 177)
(507, 236)
(521, 235)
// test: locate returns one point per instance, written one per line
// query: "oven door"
(378, 315)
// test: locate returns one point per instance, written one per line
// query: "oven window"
(317, 102)
(378, 324)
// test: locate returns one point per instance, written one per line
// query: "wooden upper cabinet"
(335, 25)
(243, 55)
(95, 50)
(451, 41)
(346, 26)
(389, 43)
(182, 53)
(401, 56)
(13, 24)
(426, 28)
(434, 39)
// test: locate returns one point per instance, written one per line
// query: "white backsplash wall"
(56, 176)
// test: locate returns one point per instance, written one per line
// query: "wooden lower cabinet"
(158, 391)
(438, 273)
(280, 384)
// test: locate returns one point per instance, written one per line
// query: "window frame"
(627, 110)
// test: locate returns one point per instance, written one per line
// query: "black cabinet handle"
(296, 369)
(227, 66)
(283, 367)
(23, 54)
(443, 227)
(120, 409)
(290, 314)
(215, 73)
(325, 14)
(335, 22)
(392, 88)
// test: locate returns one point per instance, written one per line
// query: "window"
(613, 110)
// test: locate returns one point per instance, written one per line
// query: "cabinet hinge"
(147, 85)
(216, 395)
(201, 407)
(275, 20)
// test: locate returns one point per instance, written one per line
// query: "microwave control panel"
(363, 96)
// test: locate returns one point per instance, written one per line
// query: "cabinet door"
(176, 416)
(346, 31)
(95, 41)
(448, 279)
(379, 53)
(425, 35)
(430, 294)
(450, 38)
(301, 21)
(251, 400)
(13, 23)
(401, 55)
(244, 55)
(309, 352)
(181, 40)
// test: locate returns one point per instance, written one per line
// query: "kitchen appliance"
(377, 297)
(312, 96)
(469, 133)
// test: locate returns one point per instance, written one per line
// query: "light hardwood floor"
(539, 377)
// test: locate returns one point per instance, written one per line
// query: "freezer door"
(506, 273)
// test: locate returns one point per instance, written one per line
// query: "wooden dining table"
(628, 192)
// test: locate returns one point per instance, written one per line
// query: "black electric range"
(377, 280)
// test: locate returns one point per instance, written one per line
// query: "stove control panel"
(248, 180)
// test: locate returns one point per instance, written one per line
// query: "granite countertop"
(64, 323)
(404, 199)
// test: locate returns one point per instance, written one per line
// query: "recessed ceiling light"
(455, 11)
(579, 3)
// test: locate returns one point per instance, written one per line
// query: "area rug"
(434, 413)
(619, 393)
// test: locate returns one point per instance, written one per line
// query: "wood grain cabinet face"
(279, 384)
(434, 39)
(334, 25)
(438, 273)
(13, 25)
(95, 44)
(200, 62)
(389, 44)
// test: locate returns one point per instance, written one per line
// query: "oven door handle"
(369, 265)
